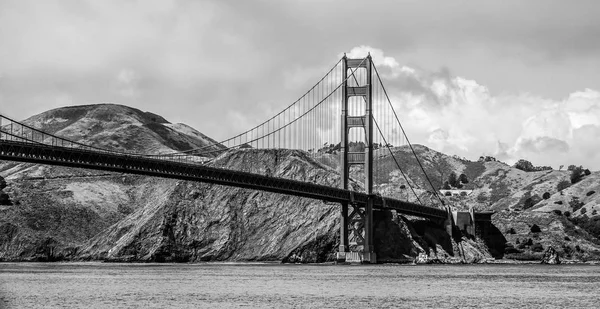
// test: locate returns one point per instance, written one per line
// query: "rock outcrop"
(550, 256)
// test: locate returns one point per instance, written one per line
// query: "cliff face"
(72, 214)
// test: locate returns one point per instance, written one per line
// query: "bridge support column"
(368, 253)
(449, 222)
(343, 248)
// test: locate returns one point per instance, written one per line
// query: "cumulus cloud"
(459, 116)
(192, 60)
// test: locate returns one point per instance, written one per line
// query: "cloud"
(542, 144)
(126, 83)
(459, 116)
(483, 74)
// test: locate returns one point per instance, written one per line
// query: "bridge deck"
(132, 164)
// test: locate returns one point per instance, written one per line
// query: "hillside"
(73, 214)
(118, 127)
(520, 200)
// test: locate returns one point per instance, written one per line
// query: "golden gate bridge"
(345, 120)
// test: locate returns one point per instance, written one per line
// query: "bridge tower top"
(364, 122)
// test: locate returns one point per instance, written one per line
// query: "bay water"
(256, 285)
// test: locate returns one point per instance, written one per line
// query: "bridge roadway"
(135, 164)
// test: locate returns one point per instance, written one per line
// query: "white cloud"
(126, 83)
(459, 116)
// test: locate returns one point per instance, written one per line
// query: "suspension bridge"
(346, 118)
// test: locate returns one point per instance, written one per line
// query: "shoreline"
(240, 263)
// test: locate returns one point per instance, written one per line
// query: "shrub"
(509, 248)
(402, 187)
(448, 194)
(511, 231)
(563, 185)
(594, 212)
(557, 212)
(2, 183)
(546, 195)
(535, 228)
(463, 178)
(587, 172)
(590, 193)
(528, 203)
(575, 203)
(567, 238)
(4, 199)
(558, 202)
(567, 213)
(583, 210)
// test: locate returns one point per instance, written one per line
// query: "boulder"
(422, 258)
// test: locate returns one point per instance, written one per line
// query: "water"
(97, 285)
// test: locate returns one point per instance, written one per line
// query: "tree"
(576, 174)
(524, 165)
(452, 180)
(463, 178)
(446, 186)
(587, 172)
(2, 183)
(535, 228)
(571, 167)
(487, 159)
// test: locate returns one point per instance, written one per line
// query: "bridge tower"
(356, 226)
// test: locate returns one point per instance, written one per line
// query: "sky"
(510, 79)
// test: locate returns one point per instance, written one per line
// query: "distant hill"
(119, 127)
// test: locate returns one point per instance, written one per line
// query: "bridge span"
(132, 164)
